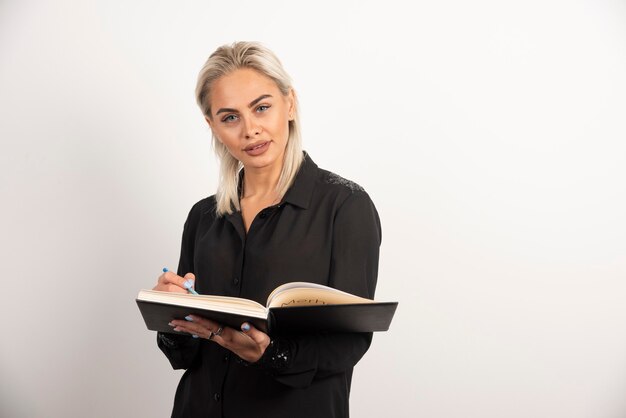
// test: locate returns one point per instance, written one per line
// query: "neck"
(261, 182)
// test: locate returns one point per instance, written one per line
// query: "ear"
(291, 104)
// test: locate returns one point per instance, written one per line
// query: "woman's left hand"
(249, 343)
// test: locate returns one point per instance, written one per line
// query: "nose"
(252, 129)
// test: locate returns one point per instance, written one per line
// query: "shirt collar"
(299, 194)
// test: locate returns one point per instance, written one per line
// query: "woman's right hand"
(170, 282)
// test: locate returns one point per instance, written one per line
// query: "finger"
(187, 332)
(257, 336)
(207, 323)
(192, 329)
(190, 278)
(168, 287)
(181, 328)
(221, 334)
(205, 327)
(169, 278)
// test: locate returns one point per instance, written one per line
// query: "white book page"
(304, 293)
(220, 303)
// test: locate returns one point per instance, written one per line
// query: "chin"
(269, 158)
(259, 162)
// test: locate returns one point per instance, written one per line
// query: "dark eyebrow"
(225, 110)
(252, 103)
(258, 99)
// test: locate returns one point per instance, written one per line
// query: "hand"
(170, 282)
(249, 343)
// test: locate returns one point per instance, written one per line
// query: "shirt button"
(226, 357)
(216, 397)
(263, 215)
(236, 281)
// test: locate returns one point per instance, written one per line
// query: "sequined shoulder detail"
(332, 178)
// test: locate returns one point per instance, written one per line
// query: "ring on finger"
(219, 331)
(210, 335)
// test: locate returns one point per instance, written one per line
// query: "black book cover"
(357, 317)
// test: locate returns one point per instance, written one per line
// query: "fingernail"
(170, 324)
(165, 270)
(177, 329)
(194, 335)
(189, 318)
(188, 284)
(245, 326)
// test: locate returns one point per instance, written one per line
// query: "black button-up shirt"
(325, 230)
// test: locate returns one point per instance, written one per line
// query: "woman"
(276, 218)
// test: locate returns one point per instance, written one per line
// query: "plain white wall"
(490, 135)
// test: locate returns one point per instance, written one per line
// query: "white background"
(490, 135)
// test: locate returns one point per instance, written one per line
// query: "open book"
(295, 307)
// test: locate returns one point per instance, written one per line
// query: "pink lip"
(257, 148)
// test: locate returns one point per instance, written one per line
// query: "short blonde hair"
(223, 61)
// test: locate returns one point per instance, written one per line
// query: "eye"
(262, 108)
(229, 118)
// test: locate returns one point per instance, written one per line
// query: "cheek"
(233, 150)
(281, 124)
(225, 137)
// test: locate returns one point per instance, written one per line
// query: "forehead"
(240, 87)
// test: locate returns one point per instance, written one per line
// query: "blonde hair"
(223, 61)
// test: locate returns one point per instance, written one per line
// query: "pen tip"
(165, 270)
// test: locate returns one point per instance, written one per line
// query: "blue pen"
(187, 284)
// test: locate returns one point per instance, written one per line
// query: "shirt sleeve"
(297, 360)
(182, 350)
